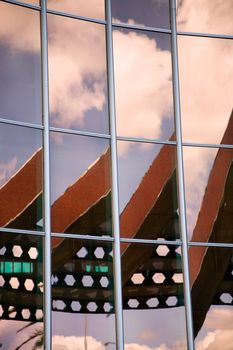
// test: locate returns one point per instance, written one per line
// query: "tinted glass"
(147, 188)
(153, 297)
(209, 196)
(77, 74)
(21, 287)
(20, 70)
(152, 13)
(91, 8)
(20, 177)
(81, 197)
(206, 71)
(143, 84)
(212, 306)
(206, 16)
(82, 293)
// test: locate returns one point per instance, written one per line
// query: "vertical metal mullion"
(180, 179)
(46, 182)
(115, 192)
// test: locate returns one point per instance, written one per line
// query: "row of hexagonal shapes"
(13, 312)
(15, 282)
(158, 278)
(17, 251)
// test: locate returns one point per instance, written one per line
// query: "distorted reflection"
(206, 74)
(153, 297)
(20, 177)
(21, 288)
(81, 186)
(91, 8)
(20, 71)
(205, 16)
(78, 90)
(147, 189)
(144, 103)
(209, 193)
(212, 296)
(152, 13)
(82, 289)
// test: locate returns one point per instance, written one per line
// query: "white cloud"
(75, 343)
(7, 169)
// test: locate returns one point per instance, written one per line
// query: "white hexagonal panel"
(152, 302)
(41, 286)
(39, 314)
(107, 307)
(17, 251)
(162, 250)
(92, 306)
(29, 284)
(3, 250)
(1, 310)
(133, 303)
(26, 314)
(82, 253)
(14, 282)
(178, 250)
(104, 281)
(2, 281)
(158, 278)
(54, 279)
(226, 298)
(87, 281)
(171, 301)
(178, 277)
(60, 305)
(99, 253)
(137, 278)
(69, 280)
(11, 312)
(33, 253)
(75, 306)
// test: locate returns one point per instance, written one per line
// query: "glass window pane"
(206, 16)
(147, 188)
(212, 305)
(20, 177)
(21, 292)
(206, 77)
(152, 13)
(20, 70)
(77, 74)
(82, 293)
(144, 102)
(81, 185)
(153, 297)
(90, 8)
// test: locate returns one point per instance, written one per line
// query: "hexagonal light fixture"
(17, 251)
(158, 278)
(33, 253)
(75, 306)
(99, 252)
(29, 284)
(107, 307)
(92, 307)
(104, 281)
(171, 301)
(137, 278)
(133, 303)
(226, 298)
(26, 314)
(59, 305)
(162, 250)
(39, 314)
(87, 281)
(178, 277)
(69, 280)
(152, 302)
(2, 281)
(14, 282)
(3, 250)
(82, 252)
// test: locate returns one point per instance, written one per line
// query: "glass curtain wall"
(116, 194)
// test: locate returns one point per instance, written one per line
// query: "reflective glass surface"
(206, 78)
(20, 70)
(21, 287)
(80, 174)
(209, 193)
(20, 177)
(144, 103)
(205, 16)
(147, 189)
(82, 293)
(153, 297)
(212, 295)
(90, 8)
(152, 13)
(77, 74)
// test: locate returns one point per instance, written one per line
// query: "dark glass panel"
(20, 69)
(147, 188)
(206, 16)
(82, 293)
(152, 13)
(91, 8)
(209, 195)
(20, 177)
(21, 288)
(81, 185)
(77, 74)
(212, 296)
(143, 76)
(153, 296)
(206, 71)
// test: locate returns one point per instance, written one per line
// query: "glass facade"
(116, 196)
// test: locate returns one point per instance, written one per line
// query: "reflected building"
(103, 192)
